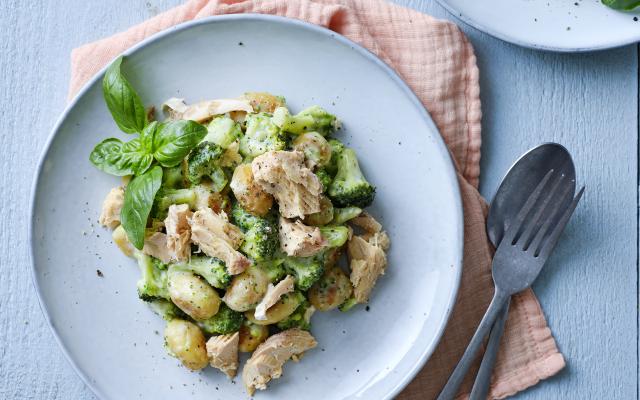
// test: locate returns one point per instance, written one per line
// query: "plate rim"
(439, 142)
(531, 45)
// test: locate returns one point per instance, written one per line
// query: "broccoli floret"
(211, 269)
(225, 321)
(172, 178)
(153, 283)
(260, 234)
(342, 215)
(312, 119)
(274, 269)
(245, 220)
(203, 162)
(261, 135)
(261, 240)
(350, 187)
(305, 270)
(242, 218)
(325, 178)
(301, 318)
(166, 309)
(223, 131)
(335, 236)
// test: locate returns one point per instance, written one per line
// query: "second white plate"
(555, 25)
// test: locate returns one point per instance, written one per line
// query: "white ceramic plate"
(556, 25)
(115, 342)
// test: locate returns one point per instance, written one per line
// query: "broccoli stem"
(174, 196)
(342, 215)
(153, 283)
(172, 178)
(336, 236)
(166, 309)
(348, 304)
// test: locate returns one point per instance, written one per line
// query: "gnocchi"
(185, 341)
(246, 289)
(331, 290)
(279, 311)
(192, 294)
(248, 192)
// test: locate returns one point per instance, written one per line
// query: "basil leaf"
(138, 199)
(147, 136)
(174, 140)
(117, 158)
(626, 5)
(122, 100)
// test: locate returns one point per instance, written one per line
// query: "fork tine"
(516, 225)
(533, 224)
(552, 240)
(551, 213)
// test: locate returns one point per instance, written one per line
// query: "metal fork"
(524, 249)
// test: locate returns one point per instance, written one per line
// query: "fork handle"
(483, 379)
(455, 380)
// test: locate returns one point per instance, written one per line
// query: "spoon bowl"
(521, 180)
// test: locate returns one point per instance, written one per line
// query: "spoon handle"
(455, 380)
(483, 379)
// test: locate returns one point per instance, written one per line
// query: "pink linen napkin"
(438, 63)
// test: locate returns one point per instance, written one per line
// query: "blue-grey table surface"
(588, 102)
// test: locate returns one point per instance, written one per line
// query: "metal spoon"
(508, 199)
(519, 182)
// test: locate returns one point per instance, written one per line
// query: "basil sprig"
(138, 200)
(166, 143)
(169, 143)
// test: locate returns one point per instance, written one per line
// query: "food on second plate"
(626, 5)
(239, 214)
